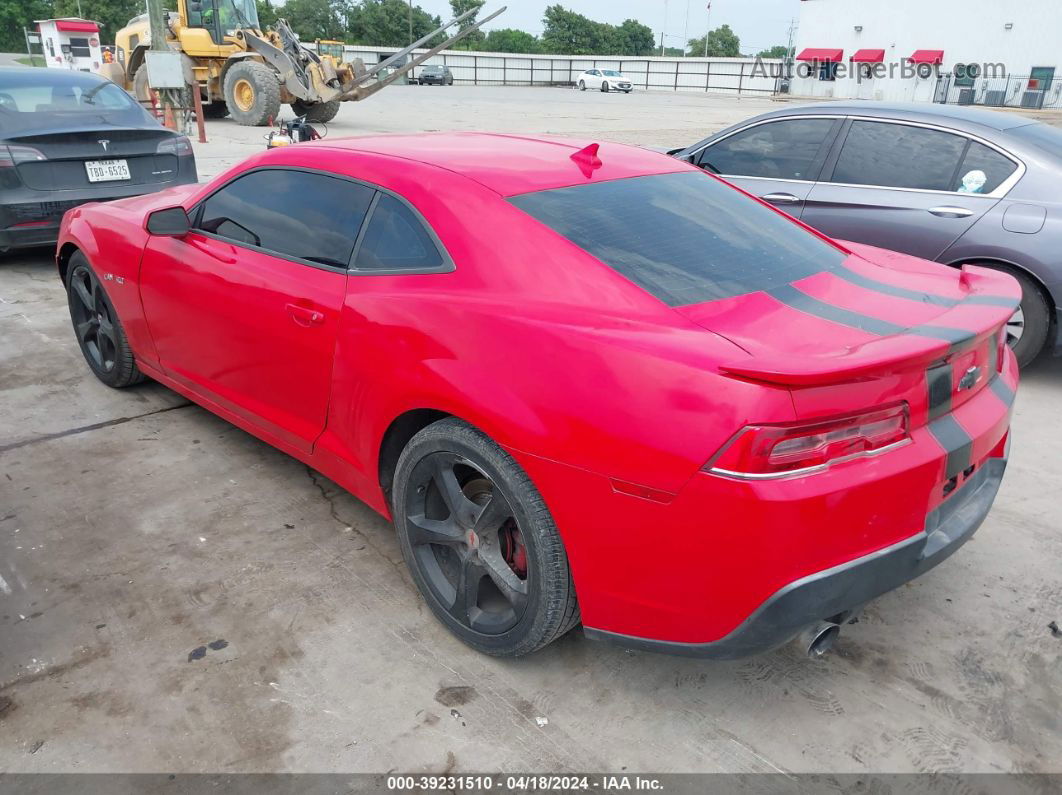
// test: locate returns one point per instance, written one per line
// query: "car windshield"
(685, 237)
(1042, 135)
(610, 73)
(42, 98)
(433, 69)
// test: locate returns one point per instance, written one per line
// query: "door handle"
(951, 212)
(781, 198)
(304, 316)
(216, 253)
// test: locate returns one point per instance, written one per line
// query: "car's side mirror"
(171, 222)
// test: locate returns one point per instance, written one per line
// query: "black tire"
(141, 88)
(499, 533)
(317, 112)
(582, 85)
(627, 91)
(604, 86)
(215, 110)
(260, 103)
(97, 328)
(1028, 339)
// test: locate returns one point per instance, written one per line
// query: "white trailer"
(71, 43)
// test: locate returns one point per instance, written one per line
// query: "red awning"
(935, 57)
(869, 56)
(821, 55)
(77, 26)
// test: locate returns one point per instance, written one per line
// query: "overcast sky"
(759, 23)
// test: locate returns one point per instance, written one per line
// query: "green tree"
(313, 19)
(475, 39)
(777, 51)
(267, 13)
(631, 38)
(385, 23)
(511, 40)
(571, 33)
(16, 15)
(722, 43)
(111, 14)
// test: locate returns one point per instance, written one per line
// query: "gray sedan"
(950, 184)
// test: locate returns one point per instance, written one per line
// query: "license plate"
(107, 170)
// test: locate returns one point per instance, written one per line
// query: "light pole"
(663, 30)
(686, 29)
(708, 28)
(410, 21)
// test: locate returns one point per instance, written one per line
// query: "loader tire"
(215, 110)
(252, 93)
(141, 89)
(317, 112)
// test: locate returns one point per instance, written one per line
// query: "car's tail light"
(773, 451)
(12, 154)
(177, 145)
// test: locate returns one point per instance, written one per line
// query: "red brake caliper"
(513, 550)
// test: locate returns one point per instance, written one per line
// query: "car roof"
(959, 116)
(514, 164)
(21, 76)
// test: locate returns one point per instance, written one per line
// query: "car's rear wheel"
(480, 542)
(1027, 328)
(98, 330)
(582, 85)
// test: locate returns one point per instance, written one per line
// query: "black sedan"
(67, 138)
(436, 75)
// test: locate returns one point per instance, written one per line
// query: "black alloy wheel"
(466, 543)
(480, 543)
(97, 328)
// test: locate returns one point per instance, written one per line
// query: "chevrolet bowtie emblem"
(103, 143)
(969, 378)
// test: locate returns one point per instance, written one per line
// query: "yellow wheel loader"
(248, 73)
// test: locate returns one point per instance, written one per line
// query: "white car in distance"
(604, 80)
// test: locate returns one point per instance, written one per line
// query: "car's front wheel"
(480, 542)
(604, 86)
(97, 327)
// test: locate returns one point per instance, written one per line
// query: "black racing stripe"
(958, 337)
(888, 289)
(992, 300)
(940, 379)
(791, 296)
(955, 441)
(1002, 390)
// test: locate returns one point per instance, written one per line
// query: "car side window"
(788, 149)
(983, 170)
(297, 214)
(395, 239)
(899, 156)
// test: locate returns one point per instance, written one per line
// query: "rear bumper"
(31, 217)
(841, 589)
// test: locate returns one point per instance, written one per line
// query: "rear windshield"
(1042, 135)
(685, 238)
(40, 101)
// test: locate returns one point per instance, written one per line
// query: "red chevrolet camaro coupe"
(588, 384)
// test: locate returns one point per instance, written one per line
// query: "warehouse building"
(960, 51)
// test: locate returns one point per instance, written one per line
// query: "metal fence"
(716, 75)
(1010, 91)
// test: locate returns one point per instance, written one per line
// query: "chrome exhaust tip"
(819, 638)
